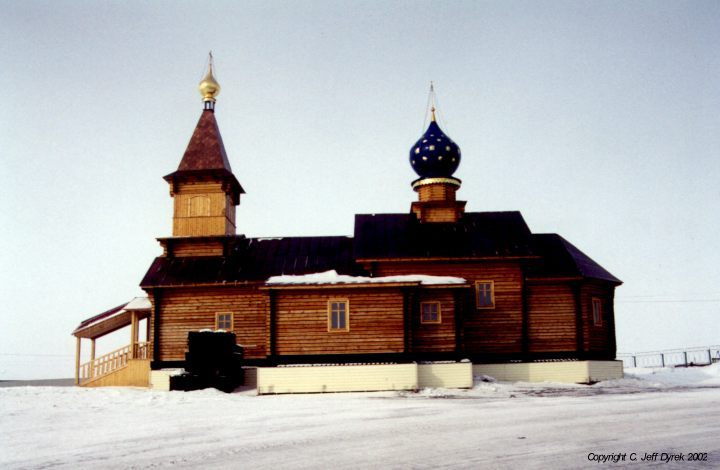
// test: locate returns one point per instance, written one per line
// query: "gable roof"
(475, 235)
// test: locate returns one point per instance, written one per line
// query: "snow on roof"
(138, 303)
(332, 277)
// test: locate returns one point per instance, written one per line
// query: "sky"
(598, 120)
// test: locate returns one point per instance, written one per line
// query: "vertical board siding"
(192, 309)
(375, 322)
(136, 373)
(497, 330)
(202, 208)
(551, 313)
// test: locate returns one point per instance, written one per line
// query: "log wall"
(598, 337)
(551, 315)
(497, 330)
(430, 337)
(377, 316)
(194, 308)
(376, 321)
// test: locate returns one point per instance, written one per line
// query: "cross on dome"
(434, 155)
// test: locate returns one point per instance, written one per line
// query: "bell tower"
(435, 157)
(204, 189)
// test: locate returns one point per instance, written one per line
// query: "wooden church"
(434, 285)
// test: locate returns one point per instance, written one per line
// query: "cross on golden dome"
(208, 86)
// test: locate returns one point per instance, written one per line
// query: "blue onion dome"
(435, 155)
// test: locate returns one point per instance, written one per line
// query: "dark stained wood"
(497, 330)
(611, 349)
(551, 311)
(598, 337)
(579, 318)
(525, 317)
(273, 323)
(462, 299)
(155, 322)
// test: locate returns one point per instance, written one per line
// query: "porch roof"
(113, 319)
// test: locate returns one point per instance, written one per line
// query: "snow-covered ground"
(494, 425)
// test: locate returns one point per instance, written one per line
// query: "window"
(338, 315)
(485, 294)
(430, 312)
(224, 321)
(597, 312)
(198, 206)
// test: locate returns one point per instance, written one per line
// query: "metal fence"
(672, 357)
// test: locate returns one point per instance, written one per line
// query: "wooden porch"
(128, 365)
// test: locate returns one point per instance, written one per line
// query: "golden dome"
(209, 87)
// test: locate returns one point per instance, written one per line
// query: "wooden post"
(133, 334)
(91, 372)
(77, 361)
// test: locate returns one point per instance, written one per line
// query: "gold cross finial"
(209, 87)
(432, 100)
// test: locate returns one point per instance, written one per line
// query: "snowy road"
(491, 426)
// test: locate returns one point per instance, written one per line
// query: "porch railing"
(142, 351)
(113, 361)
